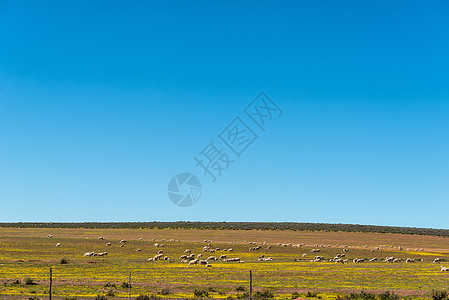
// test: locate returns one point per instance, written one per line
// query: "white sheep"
(444, 269)
(58, 244)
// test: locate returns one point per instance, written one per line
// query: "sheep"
(203, 262)
(183, 257)
(122, 245)
(255, 248)
(389, 259)
(108, 244)
(49, 236)
(199, 256)
(122, 241)
(444, 269)
(211, 258)
(358, 260)
(230, 250)
(150, 259)
(304, 255)
(160, 252)
(397, 260)
(436, 260)
(166, 258)
(232, 259)
(208, 266)
(90, 254)
(265, 259)
(101, 238)
(268, 247)
(156, 245)
(102, 254)
(409, 260)
(138, 250)
(58, 244)
(187, 251)
(315, 250)
(373, 259)
(140, 239)
(345, 250)
(158, 256)
(193, 262)
(222, 257)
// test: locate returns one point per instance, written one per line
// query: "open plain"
(288, 264)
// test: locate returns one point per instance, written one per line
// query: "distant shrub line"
(239, 226)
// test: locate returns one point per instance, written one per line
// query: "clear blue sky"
(102, 102)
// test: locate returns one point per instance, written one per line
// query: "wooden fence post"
(49, 290)
(250, 285)
(129, 286)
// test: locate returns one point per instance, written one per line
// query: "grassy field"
(27, 252)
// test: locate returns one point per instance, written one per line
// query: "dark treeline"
(239, 226)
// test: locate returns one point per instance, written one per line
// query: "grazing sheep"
(345, 250)
(122, 241)
(397, 260)
(304, 255)
(222, 257)
(373, 259)
(230, 250)
(193, 262)
(199, 256)
(58, 244)
(166, 258)
(203, 262)
(140, 239)
(265, 259)
(138, 250)
(102, 254)
(150, 259)
(268, 247)
(436, 260)
(315, 250)
(212, 258)
(444, 269)
(108, 244)
(160, 252)
(389, 259)
(49, 236)
(187, 251)
(358, 260)
(232, 259)
(409, 260)
(255, 248)
(122, 245)
(183, 257)
(101, 238)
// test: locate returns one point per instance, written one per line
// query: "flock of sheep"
(191, 259)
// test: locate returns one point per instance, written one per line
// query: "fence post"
(129, 286)
(250, 285)
(49, 291)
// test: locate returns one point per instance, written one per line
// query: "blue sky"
(102, 103)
